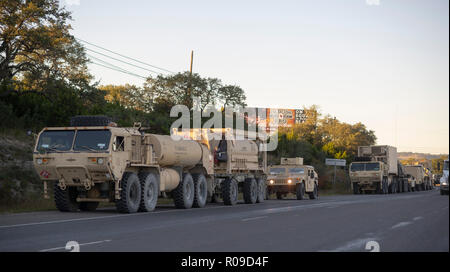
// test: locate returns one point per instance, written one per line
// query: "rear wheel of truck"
(300, 191)
(250, 191)
(130, 195)
(200, 190)
(183, 195)
(315, 193)
(355, 189)
(149, 192)
(89, 206)
(262, 190)
(66, 200)
(229, 191)
(279, 195)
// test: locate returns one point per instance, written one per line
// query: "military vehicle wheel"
(130, 195)
(355, 189)
(378, 189)
(89, 206)
(262, 190)
(183, 195)
(315, 193)
(200, 190)
(149, 191)
(300, 191)
(250, 191)
(66, 200)
(279, 195)
(229, 191)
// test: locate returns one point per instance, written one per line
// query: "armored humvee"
(291, 176)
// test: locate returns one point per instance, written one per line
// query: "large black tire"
(149, 191)
(200, 190)
(130, 194)
(315, 193)
(399, 186)
(262, 190)
(89, 120)
(66, 200)
(250, 191)
(279, 195)
(89, 206)
(183, 195)
(355, 188)
(379, 189)
(300, 191)
(229, 191)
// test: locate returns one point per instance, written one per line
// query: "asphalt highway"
(416, 221)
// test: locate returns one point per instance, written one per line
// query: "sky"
(384, 63)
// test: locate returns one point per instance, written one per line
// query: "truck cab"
(367, 177)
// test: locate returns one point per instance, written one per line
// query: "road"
(417, 221)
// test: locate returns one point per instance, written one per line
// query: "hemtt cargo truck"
(418, 172)
(95, 161)
(291, 176)
(376, 169)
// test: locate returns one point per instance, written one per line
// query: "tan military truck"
(91, 164)
(95, 161)
(376, 169)
(239, 163)
(418, 172)
(291, 176)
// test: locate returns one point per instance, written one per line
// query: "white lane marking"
(352, 245)
(401, 224)
(97, 217)
(254, 218)
(84, 244)
(417, 218)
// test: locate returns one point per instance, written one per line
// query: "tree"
(36, 48)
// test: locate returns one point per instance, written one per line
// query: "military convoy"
(291, 176)
(95, 161)
(377, 169)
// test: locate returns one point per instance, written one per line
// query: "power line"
(125, 72)
(107, 63)
(125, 56)
(122, 61)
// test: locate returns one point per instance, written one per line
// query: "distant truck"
(377, 170)
(291, 176)
(444, 179)
(418, 172)
(94, 161)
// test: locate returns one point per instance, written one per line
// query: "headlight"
(271, 181)
(100, 160)
(289, 181)
(39, 161)
(444, 183)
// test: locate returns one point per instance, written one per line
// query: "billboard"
(285, 117)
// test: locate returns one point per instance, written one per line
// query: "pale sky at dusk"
(384, 65)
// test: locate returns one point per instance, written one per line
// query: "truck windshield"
(372, 166)
(92, 140)
(297, 171)
(365, 167)
(357, 167)
(55, 140)
(277, 171)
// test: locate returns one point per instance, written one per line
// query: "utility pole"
(192, 61)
